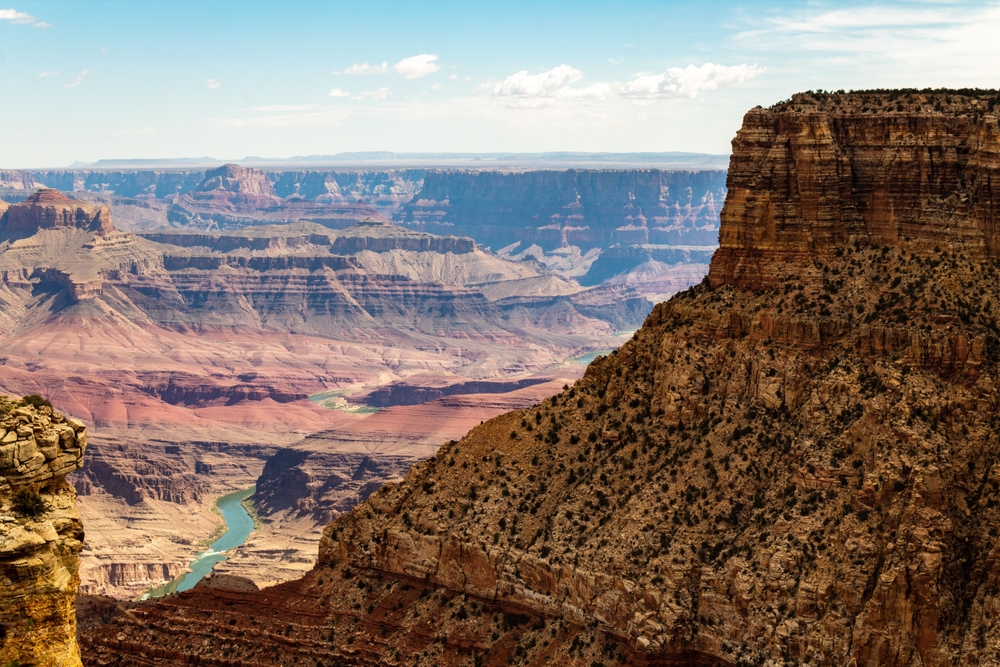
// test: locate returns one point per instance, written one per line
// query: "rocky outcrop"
(40, 535)
(51, 209)
(893, 168)
(322, 484)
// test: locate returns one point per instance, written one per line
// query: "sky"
(89, 80)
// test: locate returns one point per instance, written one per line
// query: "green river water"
(239, 525)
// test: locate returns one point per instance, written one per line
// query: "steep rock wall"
(40, 535)
(808, 175)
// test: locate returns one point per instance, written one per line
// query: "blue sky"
(164, 78)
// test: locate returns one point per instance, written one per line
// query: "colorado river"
(239, 525)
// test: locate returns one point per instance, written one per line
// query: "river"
(239, 525)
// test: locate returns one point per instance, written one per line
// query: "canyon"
(194, 354)
(792, 462)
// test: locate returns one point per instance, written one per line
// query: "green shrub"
(28, 503)
(36, 401)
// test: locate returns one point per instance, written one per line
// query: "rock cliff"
(590, 225)
(808, 175)
(796, 465)
(583, 208)
(40, 535)
(563, 219)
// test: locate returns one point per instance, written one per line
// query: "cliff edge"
(41, 535)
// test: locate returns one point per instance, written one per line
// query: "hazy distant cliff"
(587, 209)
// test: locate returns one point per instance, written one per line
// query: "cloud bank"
(533, 90)
(415, 67)
(523, 90)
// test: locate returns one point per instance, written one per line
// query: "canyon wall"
(41, 535)
(165, 183)
(564, 219)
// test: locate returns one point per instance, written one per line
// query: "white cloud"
(337, 92)
(45, 75)
(22, 18)
(78, 81)
(688, 82)
(365, 68)
(415, 67)
(453, 77)
(436, 86)
(533, 90)
(212, 83)
(378, 94)
(15, 16)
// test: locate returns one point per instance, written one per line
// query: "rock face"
(40, 535)
(586, 209)
(236, 179)
(798, 468)
(811, 173)
(51, 209)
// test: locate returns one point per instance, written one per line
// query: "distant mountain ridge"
(565, 159)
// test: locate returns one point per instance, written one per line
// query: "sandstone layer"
(51, 209)
(40, 535)
(791, 471)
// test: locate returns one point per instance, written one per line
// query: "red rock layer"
(886, 168)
